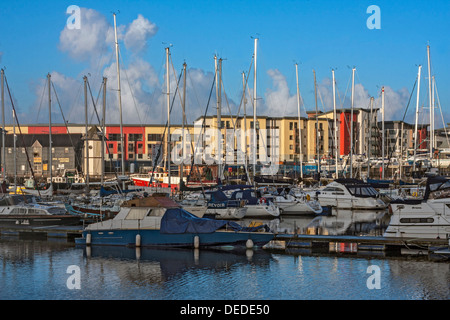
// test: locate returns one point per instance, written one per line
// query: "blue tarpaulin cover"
(178, 221)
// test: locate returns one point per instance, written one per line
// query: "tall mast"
(336, 156)
(245, 122)
(103, 129)
(382, 133)
(417, 117)
(15, 151)
(351, 123)
(50, 155)
(218, 67)
(168, 113)
(370, 137)
(300, 154)
(432, 108)
(119, 96)
(183, 105)
(254, 111)
(317, 127)
(86, 141)
(3, 167)
(430, 101)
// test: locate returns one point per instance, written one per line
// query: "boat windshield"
(440, 190)
(362, 191)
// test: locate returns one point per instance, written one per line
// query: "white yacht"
(349, 194)
(427, 218)
(292, 202)
(256, 206)
(34, 214)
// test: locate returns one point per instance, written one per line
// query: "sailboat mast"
(168, 114)
(245, 123)
(433, 145)
(317, 127)
(382, 133)
(218, 66)
(300, 154)
(370, 137)
(50, 155)
(254, 112)
(351, 123)
(15, 151)
(86, 141)
(417, 118)
(3, 167)
(119, 97)
(183, 121)
(336, 156)
(430, 101)
(103, 130)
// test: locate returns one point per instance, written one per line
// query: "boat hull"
(154, 238)
(299, 208)
(262, 211)
(38, 220)
(425, 220)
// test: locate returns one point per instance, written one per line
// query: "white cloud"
(136, 78)
(278, 101)
(138, 33)
(89, 41)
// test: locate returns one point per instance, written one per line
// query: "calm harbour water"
(32, 269)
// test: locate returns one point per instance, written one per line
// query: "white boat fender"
(249, 244)
(138, 240)
(196, 242)
(88, 238)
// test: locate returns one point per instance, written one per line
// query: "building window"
(154, 137)
(135, 137)
(114, 137)
(66, 150)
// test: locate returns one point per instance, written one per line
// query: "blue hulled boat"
(158, 221)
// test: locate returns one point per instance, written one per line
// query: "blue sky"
(318, 35)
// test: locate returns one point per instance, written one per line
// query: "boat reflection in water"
(350, 222)
(339, 222)
(159, 265)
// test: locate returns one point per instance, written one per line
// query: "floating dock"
(363, 243)
(42, 232)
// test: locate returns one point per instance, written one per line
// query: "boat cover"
(178, 220)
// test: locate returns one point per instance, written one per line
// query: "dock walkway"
(375, 243)
(67, 232)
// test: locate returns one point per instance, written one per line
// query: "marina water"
(42, 270)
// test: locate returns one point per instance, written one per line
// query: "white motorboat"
(260, 207)
(427, 218)
(296, 203)
(349, 194)
(34, 214)
(223, 207)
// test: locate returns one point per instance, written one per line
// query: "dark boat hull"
(38, 220)
(154, 238)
